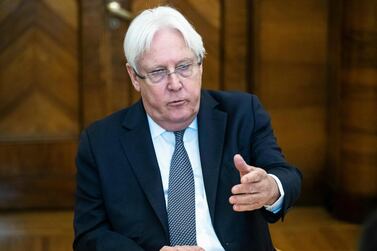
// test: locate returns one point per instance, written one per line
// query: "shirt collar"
(157, 130)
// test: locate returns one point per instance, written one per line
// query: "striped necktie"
(181, 196)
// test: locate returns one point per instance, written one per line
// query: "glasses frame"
(168, 73)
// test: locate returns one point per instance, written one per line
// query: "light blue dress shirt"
(164, 143)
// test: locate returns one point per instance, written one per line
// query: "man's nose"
(174, 83)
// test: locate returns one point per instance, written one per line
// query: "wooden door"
(62, 67)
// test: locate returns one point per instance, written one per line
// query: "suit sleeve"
(92, 229)
(267, 154)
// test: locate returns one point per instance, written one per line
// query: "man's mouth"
(177, 102)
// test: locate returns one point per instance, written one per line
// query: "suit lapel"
(212, 123)
(138, 147)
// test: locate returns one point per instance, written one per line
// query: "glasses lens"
(157, 76)
(184, 70)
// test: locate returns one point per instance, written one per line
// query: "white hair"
(142, 29)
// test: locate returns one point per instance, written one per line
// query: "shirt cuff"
(277, 206)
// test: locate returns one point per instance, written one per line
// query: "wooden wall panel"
(37, 175)
(38, 73)
(120, 87)
(106, 86)
(352, 190)
(290, 63)
(39, 103)
(95, 62)
(36, 231)
(236, 46)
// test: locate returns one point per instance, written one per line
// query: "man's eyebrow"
(156, 67)
(185, 60)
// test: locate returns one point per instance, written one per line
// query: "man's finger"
(249, 207)
(255, 175)
(246, 199)
(241, 165)
(246, 188)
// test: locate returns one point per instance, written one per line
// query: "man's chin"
(182, 120)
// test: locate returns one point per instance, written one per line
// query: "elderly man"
(183, 168)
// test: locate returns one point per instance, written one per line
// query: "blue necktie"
(181, 196)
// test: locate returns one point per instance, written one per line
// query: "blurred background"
(313, 64)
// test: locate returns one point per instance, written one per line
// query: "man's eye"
(158, 72)
(183, 67)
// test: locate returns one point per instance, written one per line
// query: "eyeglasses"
(184, 70)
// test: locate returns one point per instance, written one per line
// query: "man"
(184, 168)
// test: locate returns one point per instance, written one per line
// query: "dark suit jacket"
(119, 200)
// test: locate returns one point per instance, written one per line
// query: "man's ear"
(133, 77)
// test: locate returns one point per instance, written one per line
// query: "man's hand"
(256, 190)
(182, 248)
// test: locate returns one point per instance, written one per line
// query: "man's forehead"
(151, 60)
